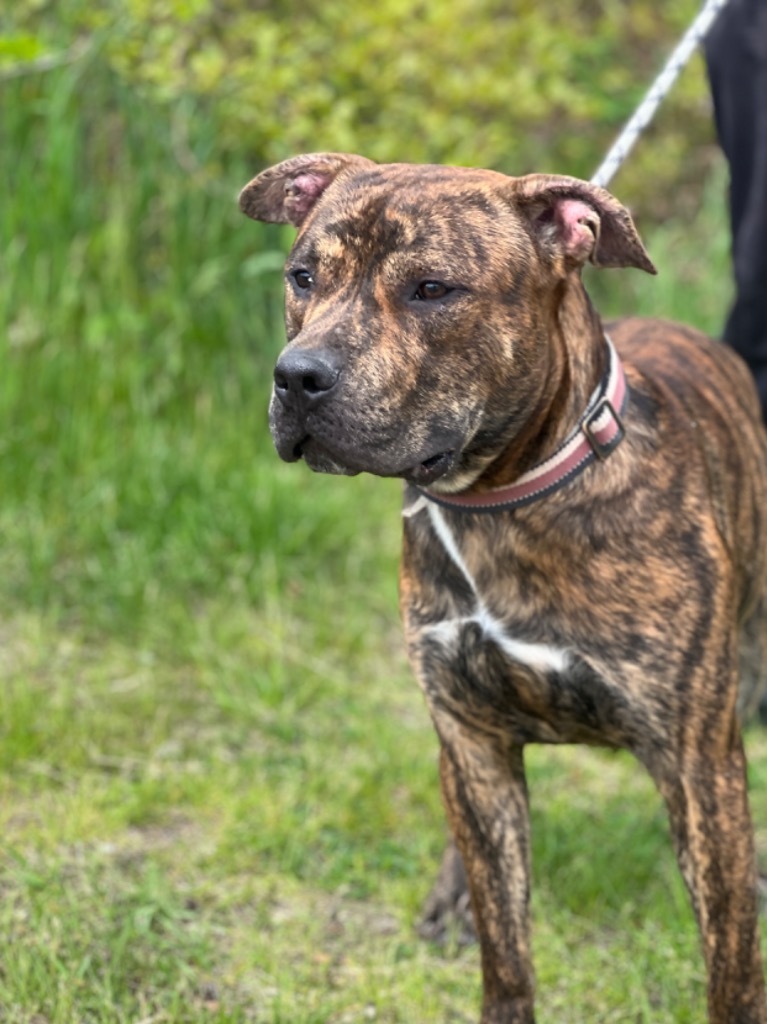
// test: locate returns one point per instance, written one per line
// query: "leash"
(657, 92)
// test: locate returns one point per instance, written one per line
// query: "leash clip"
(604, 438)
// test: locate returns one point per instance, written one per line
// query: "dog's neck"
(575, 340)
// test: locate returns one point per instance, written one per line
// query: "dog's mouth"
(431, 469)
(320, 459)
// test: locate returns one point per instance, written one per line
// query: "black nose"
(307, 377)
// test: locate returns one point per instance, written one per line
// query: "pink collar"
(599, 432)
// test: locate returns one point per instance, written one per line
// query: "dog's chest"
(505, 666)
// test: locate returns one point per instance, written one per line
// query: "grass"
(218, 782)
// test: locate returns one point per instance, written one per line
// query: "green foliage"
(522, 87)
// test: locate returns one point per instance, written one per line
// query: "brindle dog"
(439, 332)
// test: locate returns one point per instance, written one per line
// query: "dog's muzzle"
(303, 382)
(314, 416)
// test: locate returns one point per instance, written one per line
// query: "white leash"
(657, 92)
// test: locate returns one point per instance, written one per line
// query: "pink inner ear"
(312, 185)
(303, 192)
(579, 225)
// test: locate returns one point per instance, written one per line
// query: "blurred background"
(219, 795)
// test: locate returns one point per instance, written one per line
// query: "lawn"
(219, 790)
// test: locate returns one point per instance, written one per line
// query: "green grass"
(218, 791)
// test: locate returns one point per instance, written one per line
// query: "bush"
(529, 86)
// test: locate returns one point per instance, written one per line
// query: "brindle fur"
(649, 569)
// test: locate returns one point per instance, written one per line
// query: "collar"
(599, 432)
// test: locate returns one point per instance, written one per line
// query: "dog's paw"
(446, 915)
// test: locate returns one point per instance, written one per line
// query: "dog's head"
(419, 304)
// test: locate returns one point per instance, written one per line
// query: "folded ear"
(581, 221)
(285, 193)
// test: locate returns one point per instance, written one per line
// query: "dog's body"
(439, 331)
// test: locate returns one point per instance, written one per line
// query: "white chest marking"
(544, 657)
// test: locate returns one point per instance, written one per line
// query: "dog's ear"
(580, 220)
(285, 193)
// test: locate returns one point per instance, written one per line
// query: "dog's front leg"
(713, 837)
(485, 794)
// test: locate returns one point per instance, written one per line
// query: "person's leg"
(736, 52)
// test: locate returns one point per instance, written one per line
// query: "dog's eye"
(303, 279)
(431, 290)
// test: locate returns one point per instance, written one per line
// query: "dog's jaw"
(326, 446)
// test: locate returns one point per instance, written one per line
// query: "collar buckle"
(604, 429)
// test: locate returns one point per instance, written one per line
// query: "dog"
(585, 548)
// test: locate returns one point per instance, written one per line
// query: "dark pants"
(736, 53)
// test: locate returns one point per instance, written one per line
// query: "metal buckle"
(602, 451)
